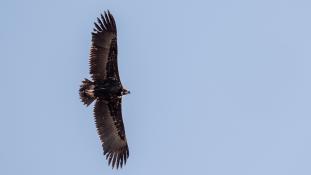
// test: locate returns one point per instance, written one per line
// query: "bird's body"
(107, 90)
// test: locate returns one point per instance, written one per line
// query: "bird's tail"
(87, 92)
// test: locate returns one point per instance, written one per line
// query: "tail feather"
(87, 92)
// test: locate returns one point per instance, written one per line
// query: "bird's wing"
(104, 50)
(110, 128)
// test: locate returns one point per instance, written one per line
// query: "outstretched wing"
(104, 50)
(110, 128)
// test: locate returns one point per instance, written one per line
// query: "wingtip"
(116, 160)
(106, 23)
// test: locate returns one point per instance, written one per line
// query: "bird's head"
(125, 92)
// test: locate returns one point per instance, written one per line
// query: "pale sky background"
(218, 87)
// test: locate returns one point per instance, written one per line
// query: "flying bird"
(106, 90)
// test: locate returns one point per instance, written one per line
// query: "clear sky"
(217, 87)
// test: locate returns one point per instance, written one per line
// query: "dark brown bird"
(107, 90)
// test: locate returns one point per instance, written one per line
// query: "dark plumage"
(106, 88)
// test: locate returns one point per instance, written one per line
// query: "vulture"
(106, 90)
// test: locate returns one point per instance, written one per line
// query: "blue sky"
(217, 87)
